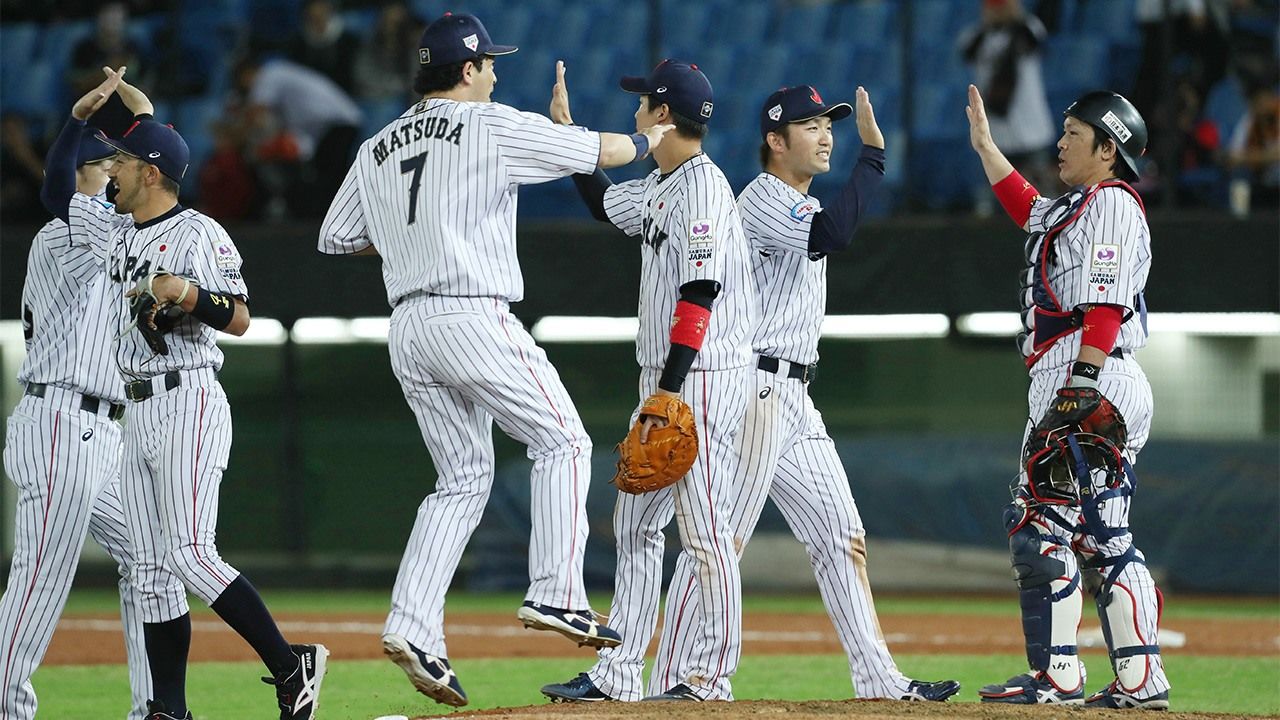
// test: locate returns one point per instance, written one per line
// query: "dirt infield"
(808, 710)
(94, 640)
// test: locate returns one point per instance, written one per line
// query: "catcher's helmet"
(1117, 118)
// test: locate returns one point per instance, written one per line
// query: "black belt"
(803, 373)
(1117, 352)
(140, 390)
(88, 403)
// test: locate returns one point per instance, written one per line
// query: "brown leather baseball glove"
(667, 454)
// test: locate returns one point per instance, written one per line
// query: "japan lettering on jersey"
(68, 316)
(435, 192)
(689, 227)
(790, 281)
(183, 242)
(1102, 256)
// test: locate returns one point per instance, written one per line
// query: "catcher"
(1088, 256)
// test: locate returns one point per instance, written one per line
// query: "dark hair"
(168, 183)
(766, 152)
(686, 128)
(443, 78)
(1119, 167)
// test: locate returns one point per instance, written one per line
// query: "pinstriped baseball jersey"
(435, 193)
(790, 282)
(689, 225)
(68, 316)
(1102, 257)
(183, 242)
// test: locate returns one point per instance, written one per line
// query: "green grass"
(370, 688)
(360, 601)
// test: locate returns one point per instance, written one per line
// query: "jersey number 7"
(414, 165)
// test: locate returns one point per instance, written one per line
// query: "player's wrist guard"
(214, 309)
(1016, 195)
(1084, 374)
(642, 145)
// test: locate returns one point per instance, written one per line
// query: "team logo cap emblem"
(775, 113)
(706, 109)
(471, 41)
(153, 155)
(424, 56)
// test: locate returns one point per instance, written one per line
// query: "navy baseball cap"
(92, 149)
(154, 143)
(680, 85)
(797, 104)
(454, 38)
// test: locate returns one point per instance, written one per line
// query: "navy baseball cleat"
(157, 711)
(432, 676)
(298, 692)
(579, 689)
(676, 693)
(1112, 697)
(922, 690)
(579, 626)
(1029, 689)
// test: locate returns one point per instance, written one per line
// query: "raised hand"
(979, 128)
(134, 99)
(868, 130)
(560, 98)
(97, 97)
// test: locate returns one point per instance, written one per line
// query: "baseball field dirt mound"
(763, 709)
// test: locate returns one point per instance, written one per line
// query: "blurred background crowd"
(273, 96)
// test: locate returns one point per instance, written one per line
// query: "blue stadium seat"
(1111, 19)
(684, 28)
(745, 25)
(931, 21)
(18, 44)
(1078, 60)
(939, 111)
(361, 22)
(804, 23)
(1225, 106)
(377, 113)
(866, 24)
(41, 90)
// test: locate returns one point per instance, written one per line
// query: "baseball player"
(1088, 255)
(697, 312)
(178, 430)
(785, 451)
(434, 194)
(62, 451)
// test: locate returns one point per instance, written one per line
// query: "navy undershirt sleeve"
(592, 188)
(833, 226)
(60, 169)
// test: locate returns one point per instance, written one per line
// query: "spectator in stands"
(324, 44)
(21, 171)
(1004, 51)
(388, 59)
(108, 45)
(227, 169)
(1255, 148)
(296, 114)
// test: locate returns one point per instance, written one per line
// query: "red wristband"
(689, 324)
(1016, 195)
(1101, 326)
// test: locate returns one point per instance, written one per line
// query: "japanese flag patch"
(702, 242)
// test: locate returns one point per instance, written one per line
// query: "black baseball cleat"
(298, 692)
(579, 689)
(1114, 698)
(579, 626)
(676, 693)
(925, 691)
(157, 711)
(431, 675)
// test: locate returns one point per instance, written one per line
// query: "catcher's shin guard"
(1131, 637)
(1050, 598)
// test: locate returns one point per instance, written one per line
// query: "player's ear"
(776, 142)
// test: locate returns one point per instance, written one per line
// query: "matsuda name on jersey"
(438, 128)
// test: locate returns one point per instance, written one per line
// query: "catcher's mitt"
(151, 317)
(1081, 410)
(666, 456)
